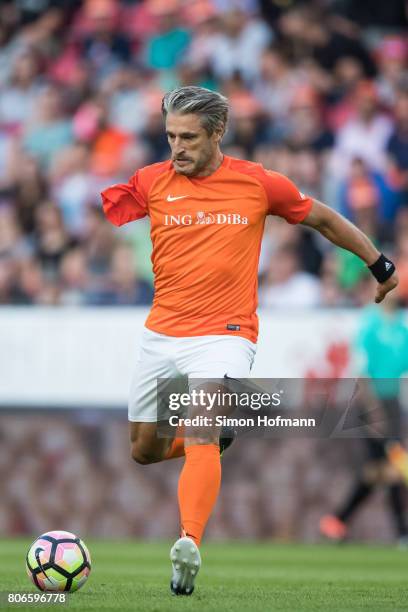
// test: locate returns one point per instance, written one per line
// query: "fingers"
(384, 288)
(380, 295)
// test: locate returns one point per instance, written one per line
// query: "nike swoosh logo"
(37, 557)
(174, 198)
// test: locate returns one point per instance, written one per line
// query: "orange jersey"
(206, 234)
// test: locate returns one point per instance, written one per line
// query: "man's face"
(191, 147)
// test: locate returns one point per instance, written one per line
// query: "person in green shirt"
(382, 353)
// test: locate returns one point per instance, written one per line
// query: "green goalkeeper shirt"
(382, 345)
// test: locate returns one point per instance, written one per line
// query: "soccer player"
(382, 349)
(207, 214)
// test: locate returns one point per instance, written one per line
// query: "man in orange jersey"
(207, 214)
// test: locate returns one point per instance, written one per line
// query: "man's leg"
(200, 478)
(198, 489)
(146, 447)
(334, 526)
(207, 358)
(156, 361)
(396, 502)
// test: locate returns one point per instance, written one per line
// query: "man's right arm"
(125, 202)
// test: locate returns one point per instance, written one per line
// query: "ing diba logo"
(203, 218)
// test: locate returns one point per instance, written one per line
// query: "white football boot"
(186, 560)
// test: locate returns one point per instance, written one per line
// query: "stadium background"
(318, 91)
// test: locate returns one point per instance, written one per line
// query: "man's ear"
(218, 134)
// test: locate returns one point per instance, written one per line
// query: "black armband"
(382, 269)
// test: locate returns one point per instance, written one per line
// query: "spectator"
(99, 242)
(49, 130)
(305, 124)
(392, 55)
(17, 99)
(307, 168)
(397, 146)
(31, 282)
(7, 278)
(103, 46)
(314, 35)
(248, 128)
(368, 200)
(276, 85)
(391, 14)
(402, 257)
(286, 286)
(364, 136)
(127, 109)
(124, 288)
(13, 243)
(74, 279)
(331, 292)
(73, 186)
(27, 187)
(50, 240)
(239, 46)
(81, 89)
(166, 49)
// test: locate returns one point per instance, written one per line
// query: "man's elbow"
(316, 222)
(317, 217)
(111, 211)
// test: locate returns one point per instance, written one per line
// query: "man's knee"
(142, 455)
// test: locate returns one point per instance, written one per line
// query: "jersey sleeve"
(284, 198)
(125, 202)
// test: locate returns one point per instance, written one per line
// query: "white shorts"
(162, 356)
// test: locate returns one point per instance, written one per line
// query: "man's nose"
(178, 150)
(179, 143)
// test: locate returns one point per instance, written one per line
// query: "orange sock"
(176, 449)
(198, 488)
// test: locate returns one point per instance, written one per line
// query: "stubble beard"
(198, 165)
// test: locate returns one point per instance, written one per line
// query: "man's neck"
(212, 165)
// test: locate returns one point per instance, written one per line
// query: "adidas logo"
(388, 265)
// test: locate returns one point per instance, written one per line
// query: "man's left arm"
(344, 234)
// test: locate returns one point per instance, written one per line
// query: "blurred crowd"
(75, 471)
(318, 91)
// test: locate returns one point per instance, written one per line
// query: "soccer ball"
(58, 561)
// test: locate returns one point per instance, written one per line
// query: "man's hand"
(384, 288)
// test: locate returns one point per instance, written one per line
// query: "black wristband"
(382, 269)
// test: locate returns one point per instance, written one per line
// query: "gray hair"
(210, 105)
